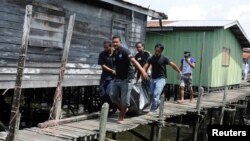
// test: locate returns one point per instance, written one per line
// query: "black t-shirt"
(124, 68)
(159, 66)
(141, 58)
(106, 59)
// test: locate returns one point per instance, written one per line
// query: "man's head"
(139, 46)
(116, 40)
(158, 49)
(187, 54)
(107, 46)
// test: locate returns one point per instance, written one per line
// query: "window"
(119, 27)
(225, 56)
(47, 26)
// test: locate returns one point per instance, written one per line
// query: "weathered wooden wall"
(94, 23)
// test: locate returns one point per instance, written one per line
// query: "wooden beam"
(52, 123)
(14, 122)
(58, 93)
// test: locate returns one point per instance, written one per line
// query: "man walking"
(159, 74)
(141, 57)
(122, 85)
(245, 69)
(187, 65)
(106, 60)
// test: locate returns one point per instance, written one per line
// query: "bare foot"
(150, 113)
(120, 121)
(191, 99)
(180, 101)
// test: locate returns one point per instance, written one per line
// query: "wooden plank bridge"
(88, 129)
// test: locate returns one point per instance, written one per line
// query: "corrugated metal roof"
(137, 8)
(191, 23)
(233, 25)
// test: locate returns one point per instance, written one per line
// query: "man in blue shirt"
(187, 65)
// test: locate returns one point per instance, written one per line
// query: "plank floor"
(88, 129)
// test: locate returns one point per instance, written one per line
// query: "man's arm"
(181, 67)
(175, 67)
(106, 68)
(191, 64)
(138, 66)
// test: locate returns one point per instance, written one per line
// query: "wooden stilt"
(198, 106)
(114, 136)
(58, 94)
(199, 100)
(14, 121)
(230, 112)
(152, 132)
(196, 128)
(103, 121)
(178, 129)
(223, 104)
(158, 130)
(204, 126)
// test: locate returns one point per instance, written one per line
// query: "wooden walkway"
(88, 129)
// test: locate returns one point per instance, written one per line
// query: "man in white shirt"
(187, 65)
(245, 69)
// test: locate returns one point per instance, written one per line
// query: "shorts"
(186, 80)
(121, 91)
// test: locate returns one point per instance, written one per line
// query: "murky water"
(168, 134)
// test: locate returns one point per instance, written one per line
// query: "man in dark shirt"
(106, 60)
(122, 85)
(141, 57)
(159, 74)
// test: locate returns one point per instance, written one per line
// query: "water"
(168, 134)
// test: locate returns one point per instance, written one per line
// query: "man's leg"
(126, 87)
(115, 94)
(191, 93)
(189, 84)
(181, 91)
(159, 85)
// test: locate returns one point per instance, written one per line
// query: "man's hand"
(187, 60)
(144, 75)
(179, 76)
(113, 72)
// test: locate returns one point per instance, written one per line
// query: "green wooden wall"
(212, 72)
(231, 74)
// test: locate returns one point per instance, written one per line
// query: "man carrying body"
(141, 57)
(122, 85)
(106, 60)
(159, 74)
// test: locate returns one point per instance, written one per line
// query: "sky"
(202, 10)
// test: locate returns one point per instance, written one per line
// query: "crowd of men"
(118, 74)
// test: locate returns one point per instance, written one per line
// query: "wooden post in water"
(58, 94)
(14, 121)
(103, 121)
(223, 105)
(157, 135)
(199, 100)
(198, 106)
